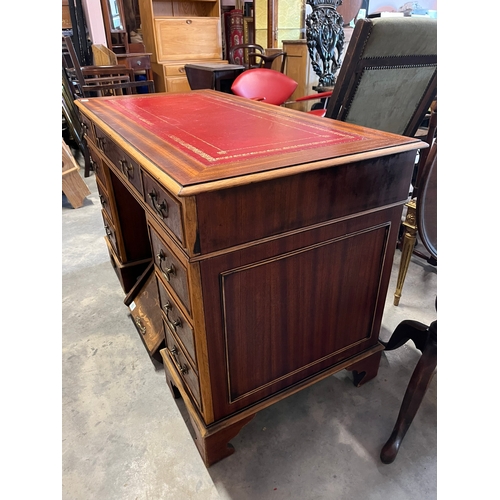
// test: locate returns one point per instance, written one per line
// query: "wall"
(394, 5)
(93, 13)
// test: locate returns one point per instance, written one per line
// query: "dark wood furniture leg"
(366, 369)
(214, 445)
(419, 382)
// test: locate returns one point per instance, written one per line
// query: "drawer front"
(99, 167)
(110, 232)
(128, 167)
(104, 199)
(174, 70)
(139, 62)
(166, 208)
(177, 322)
(171, 269)
(100, 138)
(144, 312)
(182, 365)
(183, 38)
(88, 128)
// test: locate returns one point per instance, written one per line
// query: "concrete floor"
(124, 437)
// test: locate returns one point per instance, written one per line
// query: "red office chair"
(272, 87)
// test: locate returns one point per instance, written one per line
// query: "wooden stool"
(73, 186)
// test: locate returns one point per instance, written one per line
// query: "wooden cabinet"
(180, 32)
(298, 67)
(272, 234)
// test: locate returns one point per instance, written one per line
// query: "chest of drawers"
(269, 234)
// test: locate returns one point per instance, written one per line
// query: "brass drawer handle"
(172, 324)
(141, 327)
(126, 168)
(94, 165)
(182, 368)
(160, 208)
(108, 231)
(166, 272)
(102, 200)
(188, 21)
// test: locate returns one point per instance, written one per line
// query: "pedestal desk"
(254, 244)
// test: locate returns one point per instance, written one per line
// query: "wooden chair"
(91, 81)
(424, 336)
(71, 116)
(388, 79)
(409, 227)
(96, 81)
(252, 56)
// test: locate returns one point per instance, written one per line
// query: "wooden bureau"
(178, 32)
(260, 239)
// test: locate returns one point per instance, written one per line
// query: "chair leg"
(419, 382)
(408, 330)
(409, 239)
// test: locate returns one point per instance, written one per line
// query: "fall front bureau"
(254, 244)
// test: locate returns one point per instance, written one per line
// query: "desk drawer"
(138, 63)
(110, 232)
(88, 128)
(98, 166)
(166, 208)
(182, 365)
(177, 322)
(104, 199)
(170, 268)
(174, 70)
(142, 302)
(128, 167)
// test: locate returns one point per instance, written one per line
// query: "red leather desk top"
(204, 136)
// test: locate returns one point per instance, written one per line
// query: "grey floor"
(124, 437)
